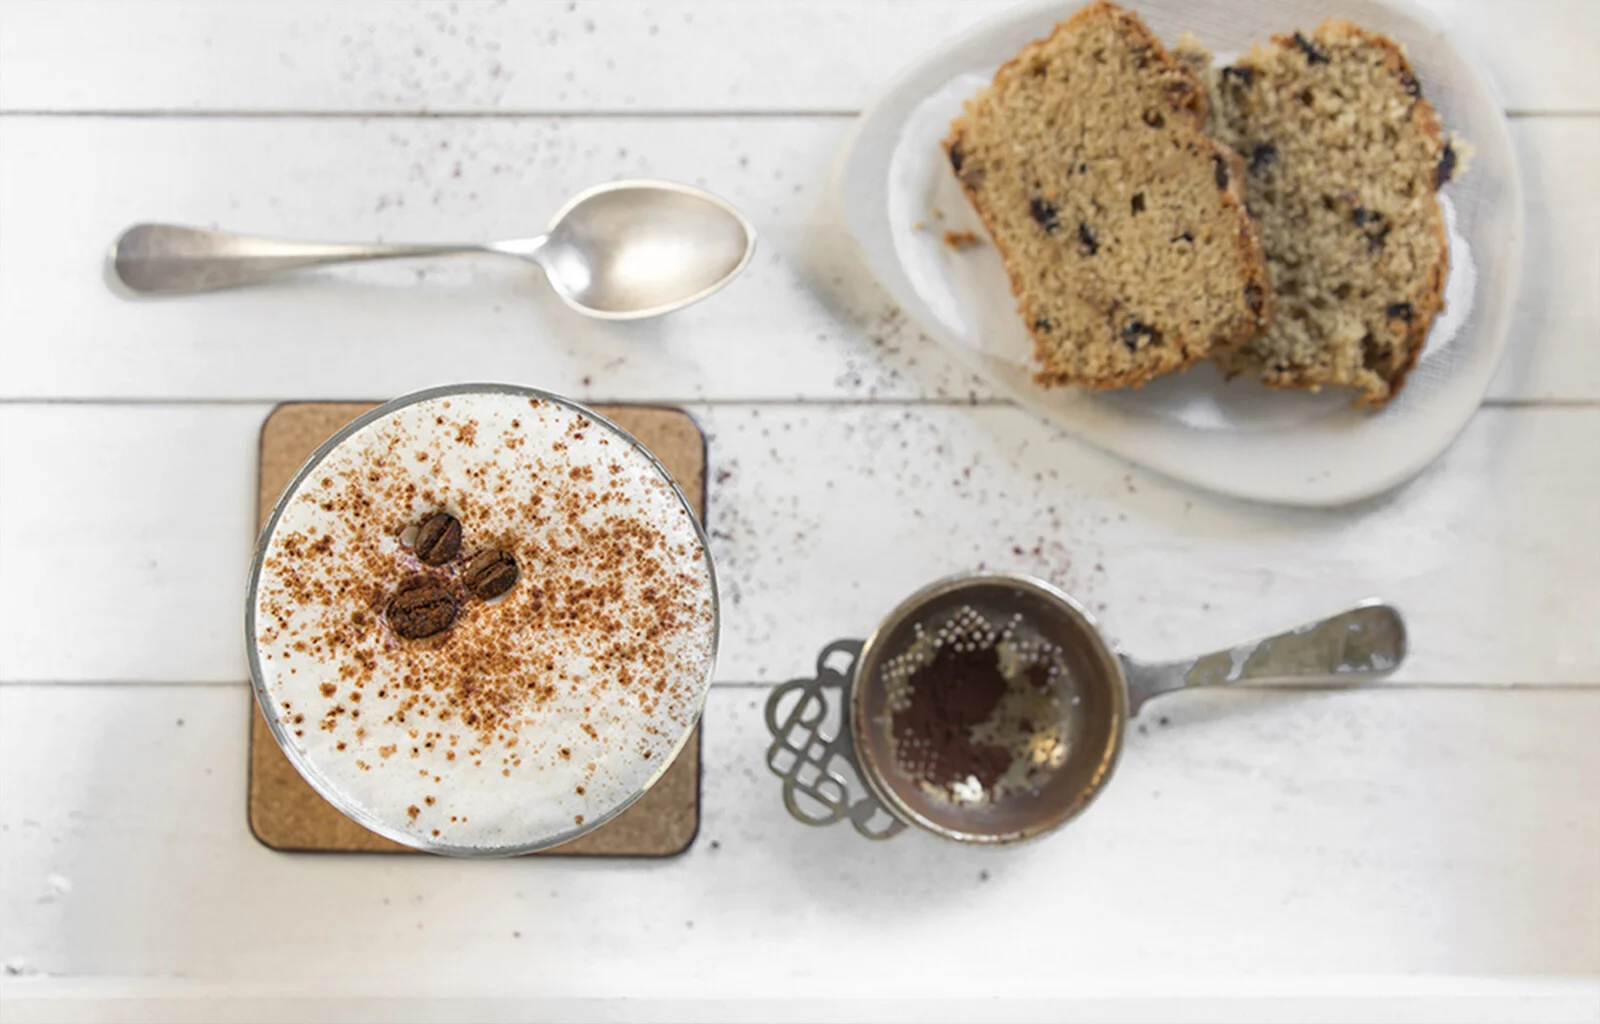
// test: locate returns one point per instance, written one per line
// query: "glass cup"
(511, 711)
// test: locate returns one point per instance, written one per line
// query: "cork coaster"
(287, 814)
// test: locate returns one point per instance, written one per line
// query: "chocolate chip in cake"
(1242, 77)
(957, 158)
(1262, 157)
(1402, 311)
(1447, 167)
(1136, 332)
(1255, 298)
(438, 538)
(1220, 171)
(1044, 212)
(1087, 243)
(1374, 353)
(1154, 118)
(1314, 53)
(1137, 206)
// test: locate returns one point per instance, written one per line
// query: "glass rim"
(303, 764)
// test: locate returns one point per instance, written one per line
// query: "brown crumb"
(961, 241)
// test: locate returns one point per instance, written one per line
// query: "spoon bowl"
(635, 249)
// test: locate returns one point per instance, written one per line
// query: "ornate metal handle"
(812, 750)
(1365, 642)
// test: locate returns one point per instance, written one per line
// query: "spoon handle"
(168, 259)
(1365, 642)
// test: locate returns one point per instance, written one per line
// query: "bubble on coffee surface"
(544, 707)
(1012, 737)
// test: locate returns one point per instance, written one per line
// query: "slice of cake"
(1345, 157)
(1121, 223)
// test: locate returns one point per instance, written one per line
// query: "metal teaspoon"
(620, 251)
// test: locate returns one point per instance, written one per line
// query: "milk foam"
(538, 713)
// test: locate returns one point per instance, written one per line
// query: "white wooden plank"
(824, 522)
(633, 56)
(131, 530)
(1534, 999)
(125, 532)
(804, 322)
(801, 322)
(1320, 835)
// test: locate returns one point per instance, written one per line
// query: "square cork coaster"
(287, 814)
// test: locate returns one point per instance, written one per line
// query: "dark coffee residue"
(950, 695)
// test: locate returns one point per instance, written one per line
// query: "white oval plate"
(1237, 437)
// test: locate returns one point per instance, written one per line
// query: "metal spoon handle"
(1365, 642)
(168, 259)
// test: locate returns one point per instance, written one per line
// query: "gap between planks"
(1518, 688)
(687, 401)
(821, 113)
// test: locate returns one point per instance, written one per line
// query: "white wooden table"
(1424, 849)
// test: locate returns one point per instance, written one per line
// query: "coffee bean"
(439, 538)
(421, 606)
(490, 574)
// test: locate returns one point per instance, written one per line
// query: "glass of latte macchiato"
(482, 620)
